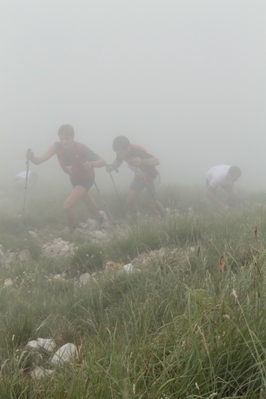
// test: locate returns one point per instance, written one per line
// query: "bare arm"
(44, 157)
(99, 163)
(115, 165)
(147, 161)
(212, 197)
(95, 164)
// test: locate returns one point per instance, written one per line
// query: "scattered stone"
(59, 277)
(2, 255)
(39, 372)
(58, 248)
(64, 354)
(129, 268)
(157, 255)
(32, 345)
(93, 229)
(10, 257)
(47, 344)
(6, 258)
(84, 278)
(89, 223)
(8, 283)
(33, 234)
(98, 235)
(24, 255)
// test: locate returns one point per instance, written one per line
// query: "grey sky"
(185, 79)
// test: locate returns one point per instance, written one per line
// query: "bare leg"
(92, 206)
(132, 198)
(76, 195)
(155, 206)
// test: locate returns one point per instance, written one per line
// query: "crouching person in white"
(223, 176)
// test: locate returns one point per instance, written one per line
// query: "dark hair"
(120, 143)
(66, 129)
(235, 171)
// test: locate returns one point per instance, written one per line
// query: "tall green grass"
(188, 324)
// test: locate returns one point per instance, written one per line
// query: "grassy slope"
(190, 325)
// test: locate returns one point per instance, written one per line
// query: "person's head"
(234, 173)
(66, 135)
(121, 145)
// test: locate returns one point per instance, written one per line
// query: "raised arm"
(44, 157)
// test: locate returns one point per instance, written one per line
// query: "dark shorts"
(85, 183)
(151, 186)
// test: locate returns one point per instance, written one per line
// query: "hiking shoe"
(98, 224)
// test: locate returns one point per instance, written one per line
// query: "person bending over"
(17, 189)
(223, 176)
(19, 181)
(146, 176)
(78, 161)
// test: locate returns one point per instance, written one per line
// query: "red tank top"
(77, 160)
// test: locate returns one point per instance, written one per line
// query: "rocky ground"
(56, 247)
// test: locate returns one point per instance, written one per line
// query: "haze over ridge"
(185, 79)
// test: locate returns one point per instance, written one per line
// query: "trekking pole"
(118, 196)
(25, 192)
(150, 190)
(103, 200)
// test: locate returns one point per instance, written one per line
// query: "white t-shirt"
(216, 176)
(23, 174)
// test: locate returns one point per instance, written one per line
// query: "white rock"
(32, 345)
(10, 257)
(98, 235)
(33, 234)
(47, 344)
(24, 255)
(8, 283)
(84, 278)
(39, 372)
(64, 354)
(2, 255)
(129, 268)
(58, 277)
(58, 248)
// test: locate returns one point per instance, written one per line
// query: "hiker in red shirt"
(146, 176)
(78, 161)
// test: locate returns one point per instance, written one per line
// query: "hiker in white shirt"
(223, 176)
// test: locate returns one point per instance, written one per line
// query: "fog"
(185, 79)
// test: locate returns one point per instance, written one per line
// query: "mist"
(184, 79)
